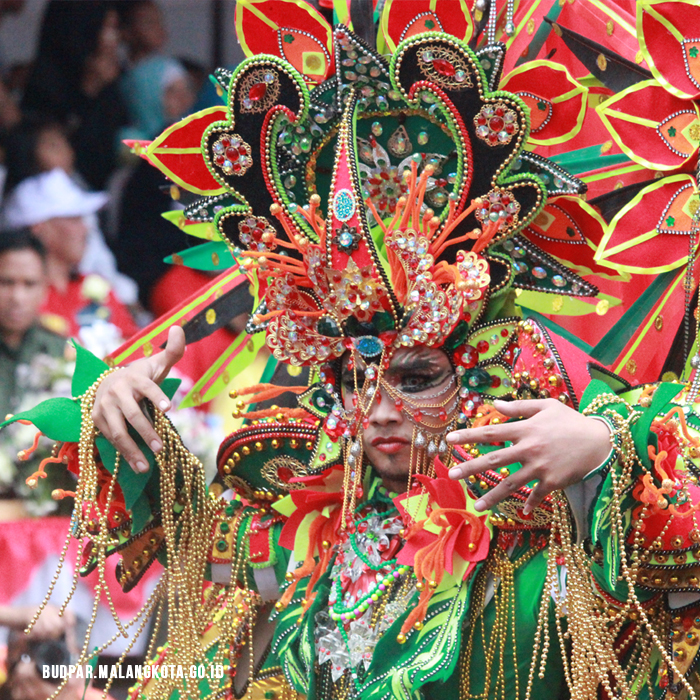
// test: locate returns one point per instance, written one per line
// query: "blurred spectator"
(26, 662)
(198, 75)
(75, 81)
(22, 293)
(40, 145)
(16, 77)
(156, 88)
(53, 207)
(157, 91)
(141, 237)
(50, 624)
(33, 367)
(10, 113)
(143, 28)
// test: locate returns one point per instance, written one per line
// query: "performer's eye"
(348, 378)
(414, 383)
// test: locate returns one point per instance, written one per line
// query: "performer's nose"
(384, 410)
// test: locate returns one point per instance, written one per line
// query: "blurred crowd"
(100, 76)
(82, 237)
(82, 243)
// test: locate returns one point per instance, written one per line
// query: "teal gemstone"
(368, 345)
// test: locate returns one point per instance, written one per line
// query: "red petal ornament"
(187, 167)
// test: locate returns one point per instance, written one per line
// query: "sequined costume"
(371, 204)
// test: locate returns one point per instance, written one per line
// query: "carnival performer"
(461, 503)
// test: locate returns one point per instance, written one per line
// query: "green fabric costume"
(440, 206)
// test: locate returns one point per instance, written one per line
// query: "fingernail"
(141, 466)
(452, 437)
(155, 445)
(164, 405)
(455, 473)
(480, 505)
(527, 510)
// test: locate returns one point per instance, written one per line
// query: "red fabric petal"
(644, 363)
(570, 230)
(291, 29)
(405, 18)
(190, 169)
(540, 86)
(186, 168)
(675, 62)
(660, 204)
(593, 22)
(592, 132)
(603, 180)
(421, 539)
(649, 101)
(532, 14)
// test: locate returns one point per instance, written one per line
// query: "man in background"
(53, 207)
(22, 293)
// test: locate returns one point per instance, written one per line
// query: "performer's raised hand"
(556, 446)
(119, 395)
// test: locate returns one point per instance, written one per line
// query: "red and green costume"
(434, 197)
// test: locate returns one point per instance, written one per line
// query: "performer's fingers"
(173, 352)
(118, 434)
(485, 435)
(151, 391)
(508, 486)
(537, 495)
(141, 423)
(493, 460)
(521, 409)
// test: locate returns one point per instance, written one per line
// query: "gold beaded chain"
(187, 539)
(502, 570)
(593, 628)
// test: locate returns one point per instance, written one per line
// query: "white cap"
(49, 196)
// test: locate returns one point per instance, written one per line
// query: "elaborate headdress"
(381, 209)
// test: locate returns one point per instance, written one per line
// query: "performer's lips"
(389, 445)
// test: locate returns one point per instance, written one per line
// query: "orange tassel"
(377, 217)
(327, 534)
(418, 195)
(265, 392)
(486, 236)
(60, 494)
(437, 244)
(321, 528)
(24, 455)
(60, 458)
(678, 412)
(470, 236)
(269, 412)
(411, 189)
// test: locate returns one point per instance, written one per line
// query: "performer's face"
(425, 377)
